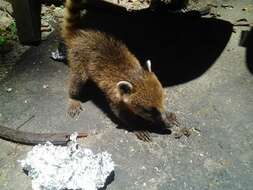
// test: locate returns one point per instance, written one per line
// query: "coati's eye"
(154, 112)
(124, 87)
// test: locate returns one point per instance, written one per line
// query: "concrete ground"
(208, 84)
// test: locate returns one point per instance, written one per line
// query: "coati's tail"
(71, 18)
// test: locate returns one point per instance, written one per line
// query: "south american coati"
(130, 89)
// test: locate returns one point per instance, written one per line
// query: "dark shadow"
(140, 125)
(249, 50)
(26, 172)
(181, 46)
(52, 2)
(108, 181)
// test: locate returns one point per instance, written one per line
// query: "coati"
(131, 90)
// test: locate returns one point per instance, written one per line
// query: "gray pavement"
(218, 101)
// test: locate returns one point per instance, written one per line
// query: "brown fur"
(95, 56)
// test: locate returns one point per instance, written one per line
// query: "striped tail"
(71, 19)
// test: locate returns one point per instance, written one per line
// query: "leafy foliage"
(10, 33)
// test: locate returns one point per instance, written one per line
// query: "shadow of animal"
(181, 47)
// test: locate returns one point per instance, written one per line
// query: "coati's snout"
(145, 100)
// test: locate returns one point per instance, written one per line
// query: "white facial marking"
(125, 83)
(124, 87)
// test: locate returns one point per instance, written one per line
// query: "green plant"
(13, 30)
(3, 40)
(10, 33)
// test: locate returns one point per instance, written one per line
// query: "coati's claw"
(143, 135)
(184, 131)
(172, 119)
(178, 134)
(74, 108)
(74, 111)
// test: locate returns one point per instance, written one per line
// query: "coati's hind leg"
(76, 83)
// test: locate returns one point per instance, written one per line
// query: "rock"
(5, 21)
(44, 10)
(44, 23)
(52, 7)
(4, 5)
(58, 12)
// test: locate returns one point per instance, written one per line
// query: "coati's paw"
(182, 132)
(74, 108)
(172, 119)
(143, 135)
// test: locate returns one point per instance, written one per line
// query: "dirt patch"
(10, 48)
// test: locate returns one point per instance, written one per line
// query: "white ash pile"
(72, 167)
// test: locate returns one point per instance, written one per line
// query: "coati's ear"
(148, 65)
(124, 87)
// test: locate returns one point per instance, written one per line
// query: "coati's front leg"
(143, 135)
(129, 121)
(76, 83)
(171, 119)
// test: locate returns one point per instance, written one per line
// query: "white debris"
(73, 137)
(8, 89)
(45, 86)
(72, 167)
